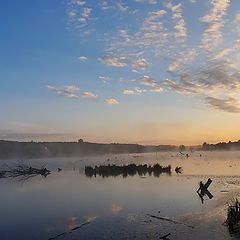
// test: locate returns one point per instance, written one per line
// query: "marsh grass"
(233, 216)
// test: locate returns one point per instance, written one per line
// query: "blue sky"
(146, 71)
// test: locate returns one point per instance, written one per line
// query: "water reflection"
(73, 225)
(116, 208)
(127, 170)
(46, 207)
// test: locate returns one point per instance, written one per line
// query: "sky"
(128, 71)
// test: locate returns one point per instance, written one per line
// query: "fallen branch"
(165, 236)
(70, 231)
(169, 220)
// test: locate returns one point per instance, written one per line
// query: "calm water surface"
(69, 205)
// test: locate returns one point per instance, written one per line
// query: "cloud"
(105, 79)
(213, 78)
(134, 91)
(88, 95)
(140, 63)
(177, 17)
(147, 81)
(158, 42)
(152, 37)
(183, 86)
(78, 13)
(138, 91)
(70, 91)
(79, 2)
(113, 61)
(83, 58)
(111, 101)
(133, 46)
(212, 35)
(121, 6)
(217, 83)
(182, 59)
(104, 5)
(228, 105)
(221, 54)
(156, 89)
(146, 1)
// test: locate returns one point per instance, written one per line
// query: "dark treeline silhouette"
(14, 149)
(221, 146)
(127, 170)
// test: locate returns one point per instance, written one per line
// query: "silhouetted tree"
(182, 148)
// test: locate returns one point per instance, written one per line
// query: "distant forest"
(221, 146)
(14, 149)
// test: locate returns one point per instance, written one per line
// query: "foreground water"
(70, 205)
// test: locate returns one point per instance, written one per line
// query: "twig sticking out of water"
(178, 170)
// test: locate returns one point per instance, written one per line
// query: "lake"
(70, 205)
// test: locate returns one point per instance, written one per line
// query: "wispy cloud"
(156, 89)
(182, 59)
(82, 58)
(134, 91)
(229, 104)
(105, 79)
(88, 95)
(70, 91)
(177, 17)
(160, 42)
(212, 34)
(217, 83)
(147, 81)
(140, 63)
(146, 1)
(111, 101)
(113, 61)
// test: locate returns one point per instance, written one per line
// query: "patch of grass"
(233, 216)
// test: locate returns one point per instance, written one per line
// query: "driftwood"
(169, 220)
(24, 171)
(203, 190)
